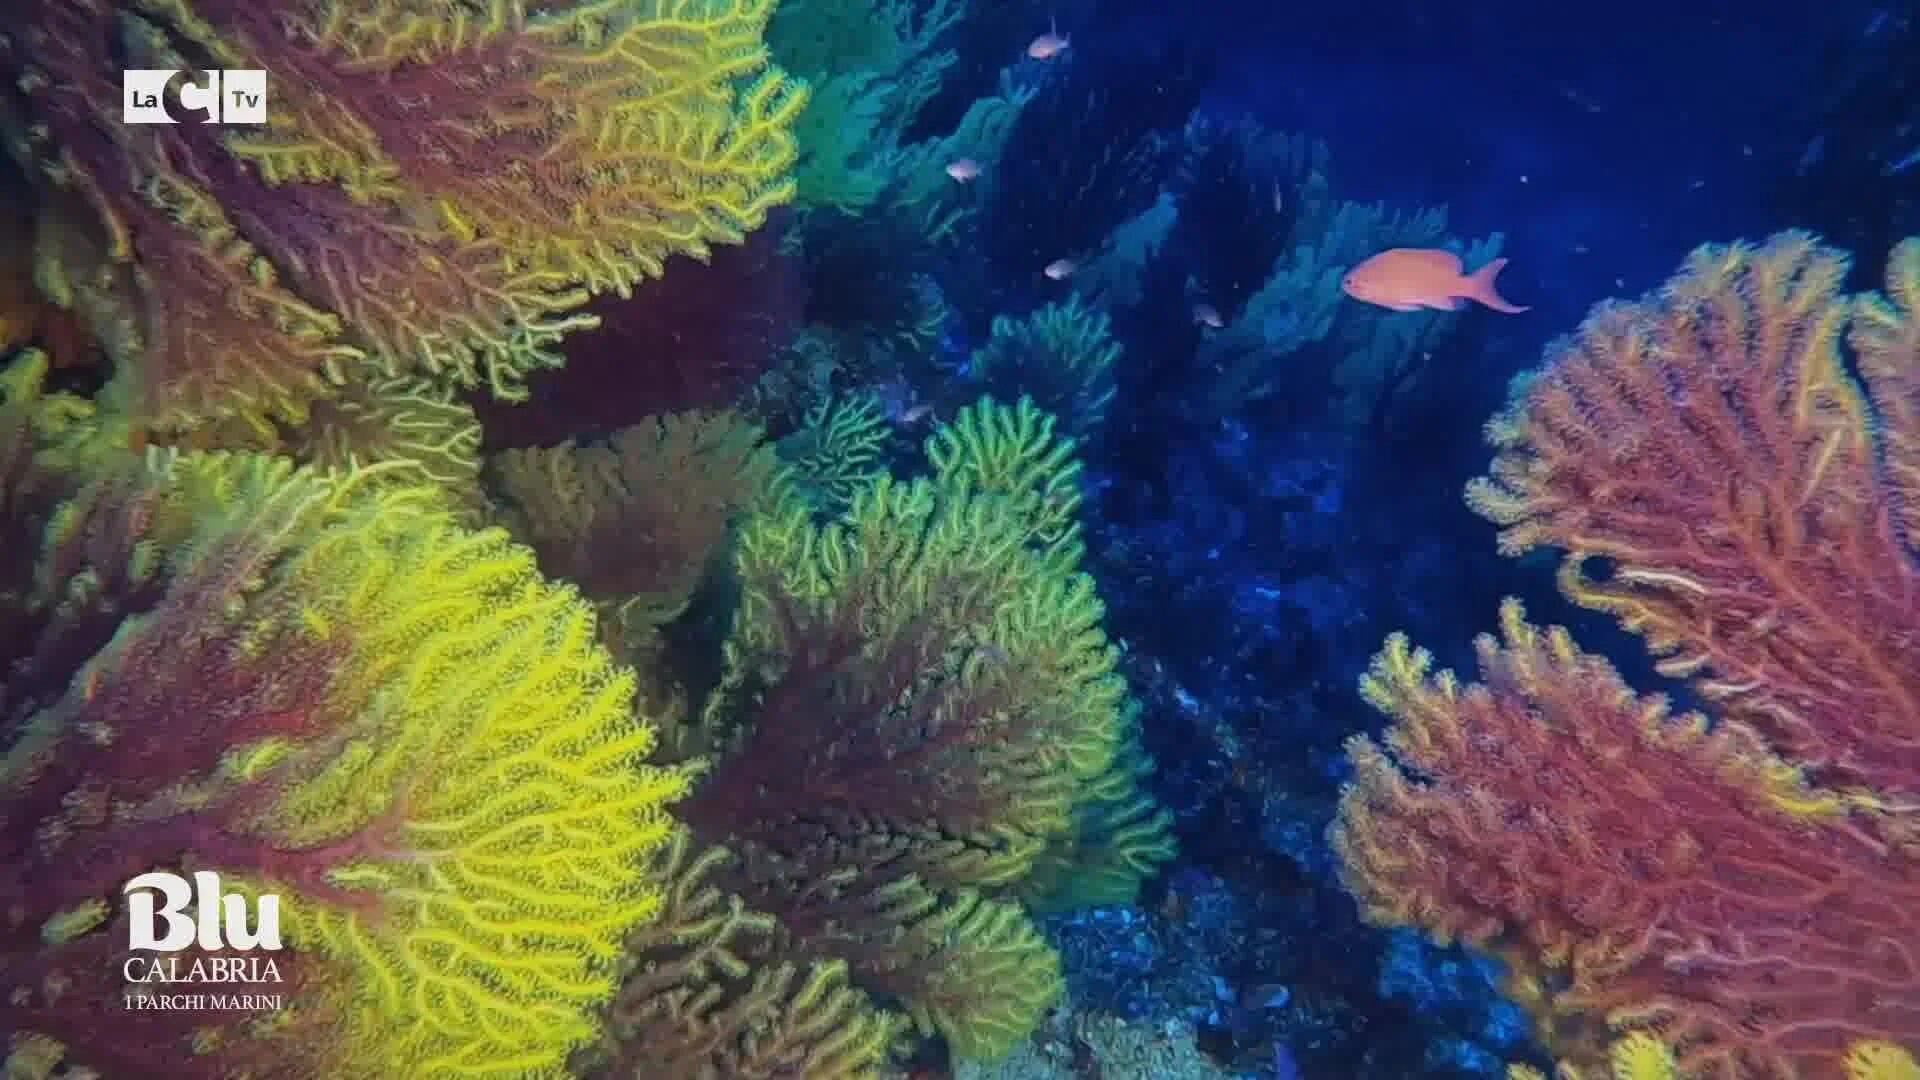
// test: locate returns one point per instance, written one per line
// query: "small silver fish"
(1050, 44)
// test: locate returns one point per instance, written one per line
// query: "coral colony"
(465, 523)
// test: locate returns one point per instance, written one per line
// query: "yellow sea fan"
(458, 818)
(1640, 1056)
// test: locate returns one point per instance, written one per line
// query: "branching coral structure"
(1745, 883)
(438, 189)
(636, 522)
(321, 688)
(918, 714)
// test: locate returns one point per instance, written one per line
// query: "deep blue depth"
(1255, 561)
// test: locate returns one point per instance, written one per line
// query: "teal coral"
(1062, 356)
(839, 448)
(1013, 453)
(1120, 838)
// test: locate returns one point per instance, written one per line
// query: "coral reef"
(872, 65)
(324, 689)
(838, 451)
(261, 617)
(1120, 837)
(696, 338)
(27, 316)
(917, 704)
(402, 420)
(711, 997)
(1239, 195)
(1845, 164)
(1299, 310)
(636, 522)
(1062, 356)
(889, 256)
(1640, 1056)
(829, 758)
(1076, 1044)
(1747, 884)
(437, 190)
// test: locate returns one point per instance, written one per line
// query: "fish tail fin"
(1482, 288)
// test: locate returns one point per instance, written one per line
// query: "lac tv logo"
(233, 96)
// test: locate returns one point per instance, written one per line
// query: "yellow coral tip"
(1877, 1060)
(1642, 1057)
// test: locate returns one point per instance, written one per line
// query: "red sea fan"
(1631, 866)
(1732, 485)
(696, 338)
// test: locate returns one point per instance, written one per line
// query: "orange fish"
(1060, 269)
(964, 170)
(1408, 279)
(1209, 316)
(1050, 44)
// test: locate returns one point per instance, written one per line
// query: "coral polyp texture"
(917, 704)
(1745, 882)
(715, 994)
(695, 338)
(323, 688)
(1064, 356)
(438, 189)
(637, 522)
